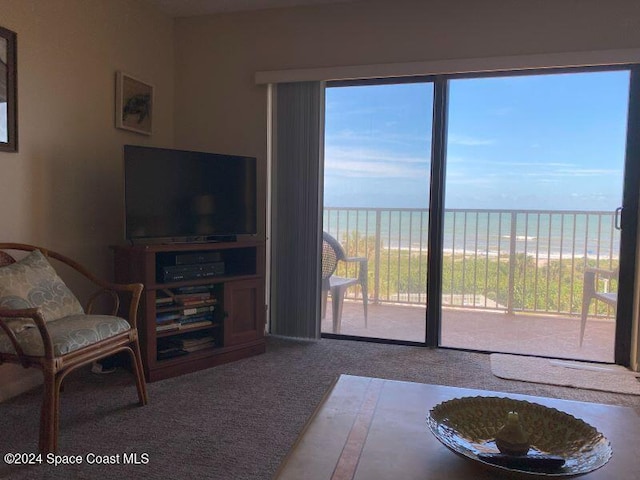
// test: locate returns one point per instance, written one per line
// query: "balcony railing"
(511, 260)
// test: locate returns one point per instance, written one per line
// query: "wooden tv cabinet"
(202, 304)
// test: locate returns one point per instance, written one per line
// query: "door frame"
(625, 314)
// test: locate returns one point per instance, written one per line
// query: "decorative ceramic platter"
(468, 427)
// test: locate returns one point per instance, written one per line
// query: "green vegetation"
(553, 286)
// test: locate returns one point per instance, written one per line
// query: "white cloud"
(370, 163)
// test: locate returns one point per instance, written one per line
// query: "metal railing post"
(512, 262)
(376, 280)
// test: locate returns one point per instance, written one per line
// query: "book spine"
(167, 327)
(187, 303)
(200, 323)
(166, 317)
(197, 310)
(196, 318)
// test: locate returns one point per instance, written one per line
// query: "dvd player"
(197, 258)
(175, 273)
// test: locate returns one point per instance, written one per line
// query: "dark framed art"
(134, 104)
(8, 91)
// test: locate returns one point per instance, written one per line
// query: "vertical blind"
(296, 193)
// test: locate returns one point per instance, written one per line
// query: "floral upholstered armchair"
(43, 325)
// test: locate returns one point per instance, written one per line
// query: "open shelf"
(220, 283)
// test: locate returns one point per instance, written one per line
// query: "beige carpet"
(593, 376)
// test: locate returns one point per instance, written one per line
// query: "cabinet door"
(244, 307)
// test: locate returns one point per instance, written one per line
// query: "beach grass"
(517, 283)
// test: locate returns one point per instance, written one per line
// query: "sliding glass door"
(534, 180)
(495, 212)
(376, 192)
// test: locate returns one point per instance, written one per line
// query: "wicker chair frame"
(56, 368)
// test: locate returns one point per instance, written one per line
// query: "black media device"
(198, 257)
(179, 273)
(177, 196)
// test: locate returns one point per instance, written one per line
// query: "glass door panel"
(376, 191)
(534, 177)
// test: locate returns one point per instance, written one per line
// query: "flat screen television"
(174, 196)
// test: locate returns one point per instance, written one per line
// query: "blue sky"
(524, 142)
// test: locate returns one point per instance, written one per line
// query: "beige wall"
(219, 108)
(218, 55)
(63, 190)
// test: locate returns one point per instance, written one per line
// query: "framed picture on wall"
(134, 104)
(8, 91)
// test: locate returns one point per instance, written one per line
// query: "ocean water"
(541, 234)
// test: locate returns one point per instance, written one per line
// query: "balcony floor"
(551, 336)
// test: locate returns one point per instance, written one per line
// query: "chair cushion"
(33, 282)
(67, 334)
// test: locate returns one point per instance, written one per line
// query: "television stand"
(197, 239)
(203, 304)
(215, 238)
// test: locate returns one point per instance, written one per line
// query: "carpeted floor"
(235, 421)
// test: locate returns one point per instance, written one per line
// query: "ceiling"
(188, 8)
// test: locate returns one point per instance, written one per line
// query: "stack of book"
(169, 351)
(184, 344)
(164, 301)
(192, 295)
(193, 344)
(184, 308)
(167, 321)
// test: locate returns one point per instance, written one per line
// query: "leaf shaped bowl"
(468, 427)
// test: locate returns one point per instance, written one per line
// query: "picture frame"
(134, 104)
(8, 91)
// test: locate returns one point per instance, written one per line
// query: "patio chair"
(592, 279)
(332, 253)
(43, 325)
